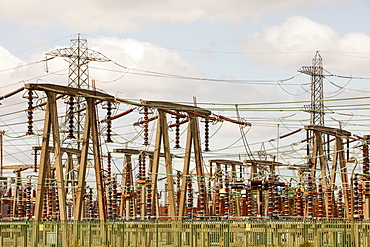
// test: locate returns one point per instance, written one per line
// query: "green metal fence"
(195, 233)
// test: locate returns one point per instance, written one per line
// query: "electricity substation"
(164, 192)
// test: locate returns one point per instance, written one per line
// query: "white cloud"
(147, 57)
(143, 56)
(8, 61)
(92, 15)
(137, 84)
(284, 44)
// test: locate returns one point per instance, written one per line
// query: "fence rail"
(200, 233)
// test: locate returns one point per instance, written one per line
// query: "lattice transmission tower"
(79, 56)
(316, 109)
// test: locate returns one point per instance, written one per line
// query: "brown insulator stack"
(56, 202)
(114, 198)
(329, 195)
(109, 165)
(109, 182)
(206, 135)
(286, 209)
(249, 201)
(227, 196)
(340, 204)
(20, 211)
(310, 208)
(277, 199)
(271, 201)
(109, 122)
(28, 200)
(178, 192)
(45, 203)
(127, 190)
(217, 200)
(365, 161)
(146, 126)
(360, 200)
(90, 205)
(355, 207)
(202, 197)
(70, 114)
(132, 206)
(138, 201)
(142, 168)
(149, 195)
(320, 202)
(366, 169)
(30, 98)
(35, 163)
(299, 203)
(69, 210)
(177, 132)
(96, 210)
(190, 203)
(86, 205)
(137, 194)
(127, 193)
(50, 199)
(232, 205)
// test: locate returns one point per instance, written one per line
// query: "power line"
(38, 46)
(184, 77)
(27, 64)
(350, 54)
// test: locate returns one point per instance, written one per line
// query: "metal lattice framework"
(79, 57)
(317, 90)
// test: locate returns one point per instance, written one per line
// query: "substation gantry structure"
(180, 199)
(143, 202)
(335, 176)
(324, 190)
(226, 176)
(51, 131)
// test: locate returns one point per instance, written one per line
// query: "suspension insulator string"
(31, 95)
(206, 135)
(146, 125)
(189, 208)
(35, 153)
(340, 204)
(71, 118)
(177, 132)
(109, 122)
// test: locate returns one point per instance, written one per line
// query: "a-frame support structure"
(162, 136)
(328, 181)
(193, 142)
(51, 128)
(90, 132)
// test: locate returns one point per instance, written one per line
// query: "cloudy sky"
(240, 53)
